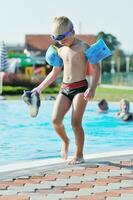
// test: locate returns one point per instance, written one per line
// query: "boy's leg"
(61, 107)
(78, 108)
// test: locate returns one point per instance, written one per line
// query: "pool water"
(26, 138)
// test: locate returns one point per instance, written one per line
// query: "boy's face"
(66, 38)
(67, 41)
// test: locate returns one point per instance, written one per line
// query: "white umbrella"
(4, 65)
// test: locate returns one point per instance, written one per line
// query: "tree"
(113, 44)
(109, 39)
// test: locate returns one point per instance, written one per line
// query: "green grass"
(110, 94)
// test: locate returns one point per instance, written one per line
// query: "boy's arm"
(49, 79)
(96, 75)
(90, 92)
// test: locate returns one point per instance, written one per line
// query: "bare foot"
(64, 150)
(76, 160)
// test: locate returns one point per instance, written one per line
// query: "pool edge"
(56, 162)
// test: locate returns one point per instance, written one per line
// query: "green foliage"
(13, 90)
(119, 56)
(16, 55)
(10, 90)
(109, 39)
(131, 63)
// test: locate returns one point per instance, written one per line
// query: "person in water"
(124, 112)
(103, 106)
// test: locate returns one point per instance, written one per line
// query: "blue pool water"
(26, 138)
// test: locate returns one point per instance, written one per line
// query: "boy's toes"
(76, 160)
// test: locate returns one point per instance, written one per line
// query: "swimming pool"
(26, 138)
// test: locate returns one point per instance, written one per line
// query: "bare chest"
(72, 56)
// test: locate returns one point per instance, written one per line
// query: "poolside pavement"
(109, 178)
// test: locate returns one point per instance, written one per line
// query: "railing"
(122, 79)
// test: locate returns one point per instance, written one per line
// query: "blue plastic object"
(98, 52)
(52, 57)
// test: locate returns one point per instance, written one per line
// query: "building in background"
(42, 42)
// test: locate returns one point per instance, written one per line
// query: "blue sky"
(18, 18)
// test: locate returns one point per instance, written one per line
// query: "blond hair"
(61, 25)
(126, 102)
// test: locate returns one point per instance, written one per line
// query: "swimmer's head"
(124, 105)
(103, 105)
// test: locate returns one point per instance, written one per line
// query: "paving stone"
(41, 186)
(66, 188)
(64, 170)
(60, 196)
(82, 185)
(127, 196)
(14, 197)
(8, 192)
(99, 189)
(75, 180)
(84, 192)
(112, 186)
(122, 177)
(108, 168)
(114, 198)
(115, 173)
(51, 198)
(64, 176)
(72, 194)
(37, 198)
(38, 186)
(24, 181)
(125, 171)
(126, 183)
(7, 184)
(104, 195)
(102, 174)
(61, 182)
(50, 191)
(127, 163)
(23, 189)
(128, 190)
(88, 177)
(35, 195)
(113, 179)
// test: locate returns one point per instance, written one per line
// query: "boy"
(74, 89)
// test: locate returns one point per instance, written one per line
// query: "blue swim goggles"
(61, 37)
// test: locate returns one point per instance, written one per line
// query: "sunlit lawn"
(110, 94)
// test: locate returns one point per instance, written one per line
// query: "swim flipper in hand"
(32, 99)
